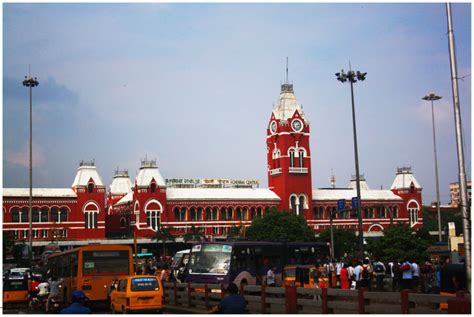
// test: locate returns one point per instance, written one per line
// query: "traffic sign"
(355, 203)
(341, 204)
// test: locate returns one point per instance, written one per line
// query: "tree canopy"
(399, 243)
(345, 241)
(279, 226)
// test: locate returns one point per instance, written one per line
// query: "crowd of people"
(375, 275)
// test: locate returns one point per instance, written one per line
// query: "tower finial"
(287, 87)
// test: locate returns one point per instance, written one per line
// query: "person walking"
(78, 304)
(358, 275)
(344, 277)
(232, 304)
(271, 277)
(379, 271)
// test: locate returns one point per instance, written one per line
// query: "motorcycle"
(37, 302)
(55, 306)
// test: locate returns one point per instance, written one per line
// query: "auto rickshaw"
(299, 275)
(15, 291)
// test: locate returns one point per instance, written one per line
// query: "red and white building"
(212, 206)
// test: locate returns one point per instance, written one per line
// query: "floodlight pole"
(30, 82)
(433, 97)
(354, 76)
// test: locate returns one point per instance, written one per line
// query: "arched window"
(91, 211)
(413, 209)
(15, 214)
(55, 214)
(382, 213)
(238, 212)
(292, 157)
(44, 214)
(63, 216)
(123, 223)
(260, 212)
(301, 155)
(90, 188)
(153, 212)
(293, 203)
(35, 214)
(253, 212)
(24, 214)
(395, 212)
(245, 213)
(153, 187)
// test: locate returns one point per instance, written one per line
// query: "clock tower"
(288, 154)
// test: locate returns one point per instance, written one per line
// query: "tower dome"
(121, 184)
(287, 104)
(404, 179)
(85, 173)
(362, 182)
(149, 171)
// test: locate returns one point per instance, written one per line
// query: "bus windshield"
(210, 258)
(100, 262)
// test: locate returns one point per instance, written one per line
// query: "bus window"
(100, 262)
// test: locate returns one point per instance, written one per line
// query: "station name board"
(210, 182)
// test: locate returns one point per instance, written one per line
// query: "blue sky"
(193, 85)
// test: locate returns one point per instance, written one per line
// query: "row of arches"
(382, 212)
(239, 213)
(40, 214)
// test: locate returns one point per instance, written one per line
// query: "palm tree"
(194, 234)
(164, 234)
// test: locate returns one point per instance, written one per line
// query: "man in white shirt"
(271, 276)
(357, 273)
(407, 275)
(416, 275)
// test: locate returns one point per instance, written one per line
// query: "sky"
(193, 86)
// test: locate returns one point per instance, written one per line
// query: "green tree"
(194, 234)
(164, 234)
(235, 233)
(399, 242)
(345, 241)
(430, 220)
(279, 226)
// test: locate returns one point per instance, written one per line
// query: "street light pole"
(30, 82)
(354, 77)
(433, 97)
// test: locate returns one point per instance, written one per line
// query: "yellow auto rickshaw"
(299, 275)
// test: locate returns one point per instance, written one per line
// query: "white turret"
(148, 172)
(287, 104)
(121, 184)
(85, 173)
(404, 179)
(362, 182)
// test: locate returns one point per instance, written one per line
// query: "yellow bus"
(91, 269)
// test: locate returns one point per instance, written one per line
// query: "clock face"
(297, 125)
(273, 127)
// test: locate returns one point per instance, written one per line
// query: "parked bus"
(91, 269)
(247, 262)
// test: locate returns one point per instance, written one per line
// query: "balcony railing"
(299, 170)
(275, 171)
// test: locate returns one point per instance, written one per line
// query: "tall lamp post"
(354, 77)
(433, 97)
(30, 82)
